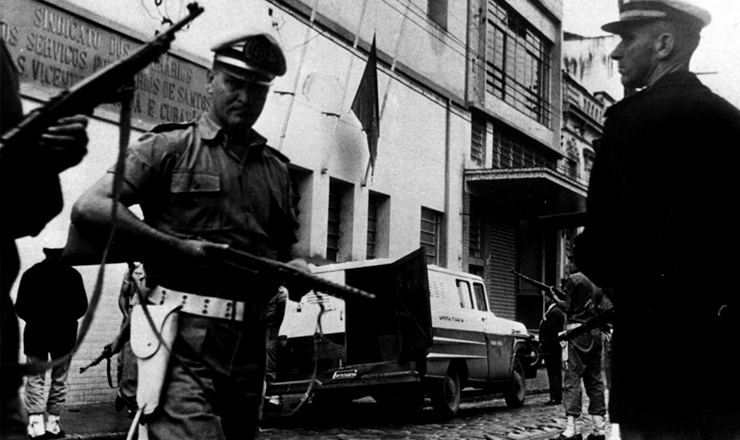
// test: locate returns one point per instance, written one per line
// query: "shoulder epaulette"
(279, 155)
(170, 126)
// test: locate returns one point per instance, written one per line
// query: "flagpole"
(365, 107)
(367, 172)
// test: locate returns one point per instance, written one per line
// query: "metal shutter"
(502, 259)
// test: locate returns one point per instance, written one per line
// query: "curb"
(97, 436)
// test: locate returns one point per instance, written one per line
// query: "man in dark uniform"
(30, 195)
(553, 322)
(583, 358)
(209, 183)
(660, 224)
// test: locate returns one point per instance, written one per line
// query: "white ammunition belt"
(208, 306)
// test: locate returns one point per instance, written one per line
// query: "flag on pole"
(365, 105)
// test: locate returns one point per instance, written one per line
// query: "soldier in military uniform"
(212, 182)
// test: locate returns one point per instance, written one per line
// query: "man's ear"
(664, 45)
(209, 85)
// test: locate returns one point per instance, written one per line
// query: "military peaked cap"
(634, 12)
(254, 57)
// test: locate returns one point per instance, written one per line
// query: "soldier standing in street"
(583, 358)
(209, 183)
(660, 224)
(553, 322)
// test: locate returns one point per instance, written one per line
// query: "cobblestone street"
(479, 418)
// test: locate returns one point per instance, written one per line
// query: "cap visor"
(244, 74)
(617, 27)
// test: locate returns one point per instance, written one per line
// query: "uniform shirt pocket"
(194, 204)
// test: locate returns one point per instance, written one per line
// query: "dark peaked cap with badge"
(254, 57)
(635, 12)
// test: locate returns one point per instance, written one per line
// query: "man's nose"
(616, 53)
(243, 94)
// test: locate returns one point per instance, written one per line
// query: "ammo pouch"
(151, 357)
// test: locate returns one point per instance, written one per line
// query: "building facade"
(472, 160)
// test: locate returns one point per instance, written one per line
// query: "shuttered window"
(430, 229)
(333, 227)
(372, 226)
(502, 259)
(478, 139)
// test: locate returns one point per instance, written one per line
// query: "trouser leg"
(58, 388)
(554, 365)
(186, 408)
(572, 393)
(35, 399)
(128, 380)
(243, 410)
(594, 382)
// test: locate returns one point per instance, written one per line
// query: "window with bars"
(478, 139)
(431, 222)
(333, 230)
(518, 62)
(372, 226)
(509, 152)
(475, 233)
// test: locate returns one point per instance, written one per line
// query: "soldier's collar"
(209, 129)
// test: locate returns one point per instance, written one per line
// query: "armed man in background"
(582, 357)
(208, 184)
(30, 196)
(659, 229)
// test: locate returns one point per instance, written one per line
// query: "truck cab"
(429, 332)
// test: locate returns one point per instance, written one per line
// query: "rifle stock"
(560, 295)
(255, 264)
(102, 87)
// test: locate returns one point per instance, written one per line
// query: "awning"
(537, 192)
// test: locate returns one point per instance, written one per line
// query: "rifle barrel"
(99, 88)
(539, 284)
(255, 264)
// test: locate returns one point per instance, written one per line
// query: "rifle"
(254, 265)
(597, 321)
(109, 350)
(105, 86)
(557, 292)
(106, 354)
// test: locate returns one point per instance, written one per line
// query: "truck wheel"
(445, 393)
(516, 390)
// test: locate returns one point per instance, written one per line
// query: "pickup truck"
(429, 333)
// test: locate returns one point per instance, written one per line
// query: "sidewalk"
(95, 422)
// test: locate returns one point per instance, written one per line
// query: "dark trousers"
(584, 363)
(554, 364)
(213, 389)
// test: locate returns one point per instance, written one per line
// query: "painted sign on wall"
(54, 48)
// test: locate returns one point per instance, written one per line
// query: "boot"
(615, 432)
(53, 430)
(598, 432)
(572, 430)
(36, 425)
